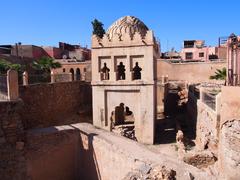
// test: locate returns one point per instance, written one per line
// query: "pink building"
(64, 51)
(53, 52)
(28, 51)
(195, 50)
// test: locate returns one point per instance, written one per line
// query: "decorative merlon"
(123, 40)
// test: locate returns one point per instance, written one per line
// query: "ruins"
(140, 117)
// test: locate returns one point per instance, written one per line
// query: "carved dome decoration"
(126, 25)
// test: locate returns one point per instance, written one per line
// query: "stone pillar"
(25, 78)
(84, 76)
(128, 72)
(52, 77)
(163, 79)
(12, 85)
(113, 74)
(69, 77)
(166, 79)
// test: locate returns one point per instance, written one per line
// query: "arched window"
(64, 70)
(121, 71)
(137, 72)
(78, 74)
(121, 115)
(105, 72)
(72, 71)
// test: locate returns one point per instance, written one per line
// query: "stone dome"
(127, 24)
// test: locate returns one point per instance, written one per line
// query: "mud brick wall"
(12, 142)
(80, 151)
(55, 104)
(207, 128)
(53, 155)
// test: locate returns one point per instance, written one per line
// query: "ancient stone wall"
(55, 104)
(229, 139)
(192, 111)
(191, 72)
(84, 152)
(205, 123)
(229, 150)
(207, 128)
(53, 155)
(12, 142)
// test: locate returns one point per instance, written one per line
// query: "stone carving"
(127, 25)
(127, 29)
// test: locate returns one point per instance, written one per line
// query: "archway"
(122, 121)
(78, 74)
(121, 71)
(72, 72)
(122, 115)
(137, 72)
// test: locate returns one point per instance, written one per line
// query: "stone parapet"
(92, 153)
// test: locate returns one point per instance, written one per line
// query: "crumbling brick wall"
(55, 104)
(207, 128)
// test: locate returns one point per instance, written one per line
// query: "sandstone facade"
(114, 60)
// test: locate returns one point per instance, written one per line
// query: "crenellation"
(137, 38)
(125, 39)
(149, 38)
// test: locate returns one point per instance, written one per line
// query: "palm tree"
(220, 74)
(5, 66)
(45, 64)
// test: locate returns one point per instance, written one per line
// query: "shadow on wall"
(56, 154)
(88, 166)
(192, 114)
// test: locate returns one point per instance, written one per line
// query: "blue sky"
(46, 22)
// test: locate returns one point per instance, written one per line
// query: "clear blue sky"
(46, 22)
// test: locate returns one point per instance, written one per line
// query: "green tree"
(98, 28)
(5, 66)
(45, 64)
(220, 74)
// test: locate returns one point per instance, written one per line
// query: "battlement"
(123, 40)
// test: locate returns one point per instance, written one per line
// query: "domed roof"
(127, 24)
